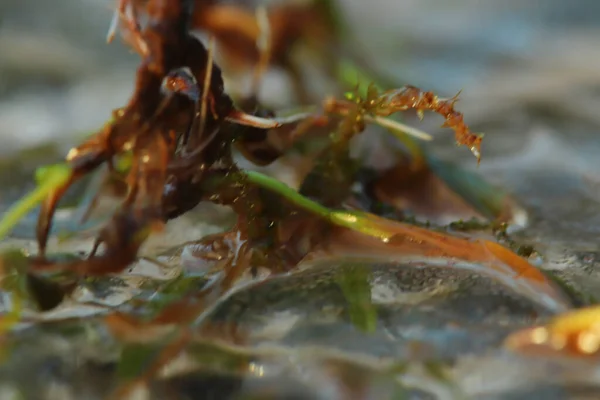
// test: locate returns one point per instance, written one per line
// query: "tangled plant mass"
(179, 128)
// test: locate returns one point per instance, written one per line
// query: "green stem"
(287, 192)
(354, 220)
(49, 178)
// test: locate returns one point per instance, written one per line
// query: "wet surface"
(370, 329)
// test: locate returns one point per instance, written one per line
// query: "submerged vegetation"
(174, 145)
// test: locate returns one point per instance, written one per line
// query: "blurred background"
(59, 77)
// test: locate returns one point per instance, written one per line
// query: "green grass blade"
(354, 220)
(287, 192)
(49, 178)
